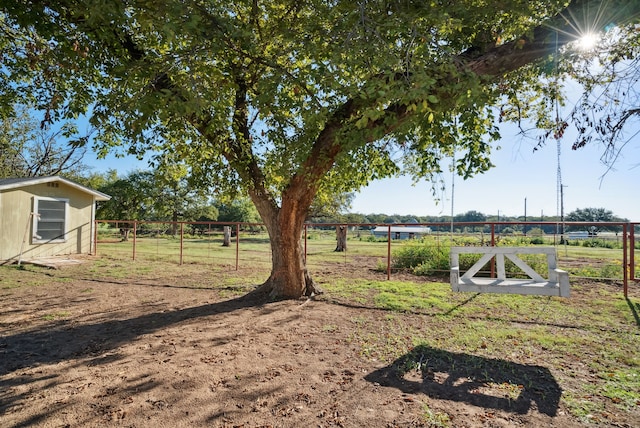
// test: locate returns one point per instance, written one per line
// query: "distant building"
(593, 233)
(46, 216)
(401, 232)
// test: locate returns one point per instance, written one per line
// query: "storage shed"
(401, 232)
(45, 217)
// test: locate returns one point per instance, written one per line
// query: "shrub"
(510, 241)
(609, 271)
(536, 232)
(428, 259)
(598, 243)
(372, 238)
(313, 236)
(612, 270)
(463, 241)
(431, 259)
(421, 259)
(438, 263)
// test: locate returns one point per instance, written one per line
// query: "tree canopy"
(288, 99)
(593, 215)
(162, 194)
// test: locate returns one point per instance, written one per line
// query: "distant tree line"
(591, 215)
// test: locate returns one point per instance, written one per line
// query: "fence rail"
(372, 246)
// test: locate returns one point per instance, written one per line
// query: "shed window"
(49, 224)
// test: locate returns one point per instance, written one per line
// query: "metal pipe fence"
(594, 250)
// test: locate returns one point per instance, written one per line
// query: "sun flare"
(588, 41)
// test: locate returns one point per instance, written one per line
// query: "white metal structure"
(556, 283)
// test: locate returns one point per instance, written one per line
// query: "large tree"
(132, 197)
(161, 194)
(286, 99)
(594, 215)
(31, 149)
(237, 210)
(174, 197)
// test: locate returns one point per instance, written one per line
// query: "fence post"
(388, 252)
(135, 234)
(181, 242)
(632, 252)
(226, 236)
(493, 244)
(625, 265)
(237, 244)
(95, 237)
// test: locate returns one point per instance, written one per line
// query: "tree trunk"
(174, 223)
(341, 237)
(289, 277)
(227, 236)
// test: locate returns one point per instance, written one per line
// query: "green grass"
(15, 277)
(435, 419)
(589, 252)
(422, 257)
(56, 315)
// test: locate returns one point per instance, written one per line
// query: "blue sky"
(519, 173)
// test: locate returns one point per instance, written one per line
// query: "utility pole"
(525, 217)
(562, 213)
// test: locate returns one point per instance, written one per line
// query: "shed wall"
(16, 206)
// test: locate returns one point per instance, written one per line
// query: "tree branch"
(490, 63)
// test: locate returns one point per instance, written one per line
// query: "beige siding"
(16, 206)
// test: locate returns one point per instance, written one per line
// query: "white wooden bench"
(556, 283)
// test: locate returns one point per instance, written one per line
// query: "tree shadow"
(461, 304)
(159, 282)
(65, 341)
(479, 381)
(635, 308)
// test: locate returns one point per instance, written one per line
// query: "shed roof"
(15, 183)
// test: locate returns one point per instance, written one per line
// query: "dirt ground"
(79, 353)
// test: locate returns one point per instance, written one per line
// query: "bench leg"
(563, 282)
(455, 278)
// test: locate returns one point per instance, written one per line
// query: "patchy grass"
(592, 335)
(436, 419)
(56, 315)
(14, 277)
(588, 343)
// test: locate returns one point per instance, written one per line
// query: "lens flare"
(588, 41)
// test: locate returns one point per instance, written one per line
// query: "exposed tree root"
(270, 290)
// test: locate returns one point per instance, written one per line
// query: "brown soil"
(127, 353)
